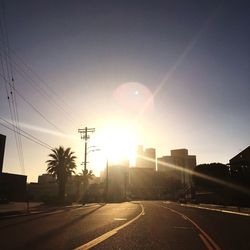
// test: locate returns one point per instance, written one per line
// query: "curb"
(221, 209)
(33, 211)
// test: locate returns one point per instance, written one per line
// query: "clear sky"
(164, 74)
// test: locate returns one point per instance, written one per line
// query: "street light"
(87, 152)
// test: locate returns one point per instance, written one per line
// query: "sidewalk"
(22, 208)
(245, 211)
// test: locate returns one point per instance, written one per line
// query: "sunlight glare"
(118, 143)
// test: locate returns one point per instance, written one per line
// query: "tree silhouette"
(61, 166)
(85, 176)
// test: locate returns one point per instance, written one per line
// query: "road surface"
(129, 225)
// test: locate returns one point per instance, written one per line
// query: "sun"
(118, 143)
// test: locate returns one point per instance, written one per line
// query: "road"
(129, 225)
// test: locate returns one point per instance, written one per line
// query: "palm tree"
(85, 176)
(61, 166)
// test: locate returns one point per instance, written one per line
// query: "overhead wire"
(11, 62)
(25, 134)
(8, 75)
(13, 94)
(24, 73)
(47, 85)
(32, 106)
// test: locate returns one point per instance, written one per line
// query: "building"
(140, 157)
(149, 154)
(144, 183)
(46, 179)
(242, 158)
(13, 187)
(117, 185)
(146, 158)
(46, 188)
(2, 147)
(240, 167)
(43, 190)
(179, 165)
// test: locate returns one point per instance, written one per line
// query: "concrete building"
(146, 158)
(140, 157)
(145, 183)
(118, 176)
(177, 165)
(150, 158)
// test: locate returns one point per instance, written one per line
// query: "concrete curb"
(35, 210)
(218, 208)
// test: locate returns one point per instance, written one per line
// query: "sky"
(163, 74)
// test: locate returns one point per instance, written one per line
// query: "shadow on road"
(37, 216)
(39, 241)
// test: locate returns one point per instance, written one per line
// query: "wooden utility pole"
(84, 135)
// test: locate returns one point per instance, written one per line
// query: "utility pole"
(84, 135)
(107, 180)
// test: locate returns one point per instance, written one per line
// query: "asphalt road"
(129, 225)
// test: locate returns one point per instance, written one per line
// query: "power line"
(46, 84)
(26, 134)
(8, 73)
(29, 79)
(32, 106)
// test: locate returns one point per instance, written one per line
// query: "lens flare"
(134, 96)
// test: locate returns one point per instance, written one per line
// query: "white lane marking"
(217, 210)
(184, 217)
(206, 243)
(55, 212)
(107, 235)
(166, 202)
(215, 246)
(125, 208)
(120, 218)
(182, 227)
(88, 207)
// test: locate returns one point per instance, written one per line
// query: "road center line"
(184, 217)
(204, 234)
(109, 234)
(206, 242)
